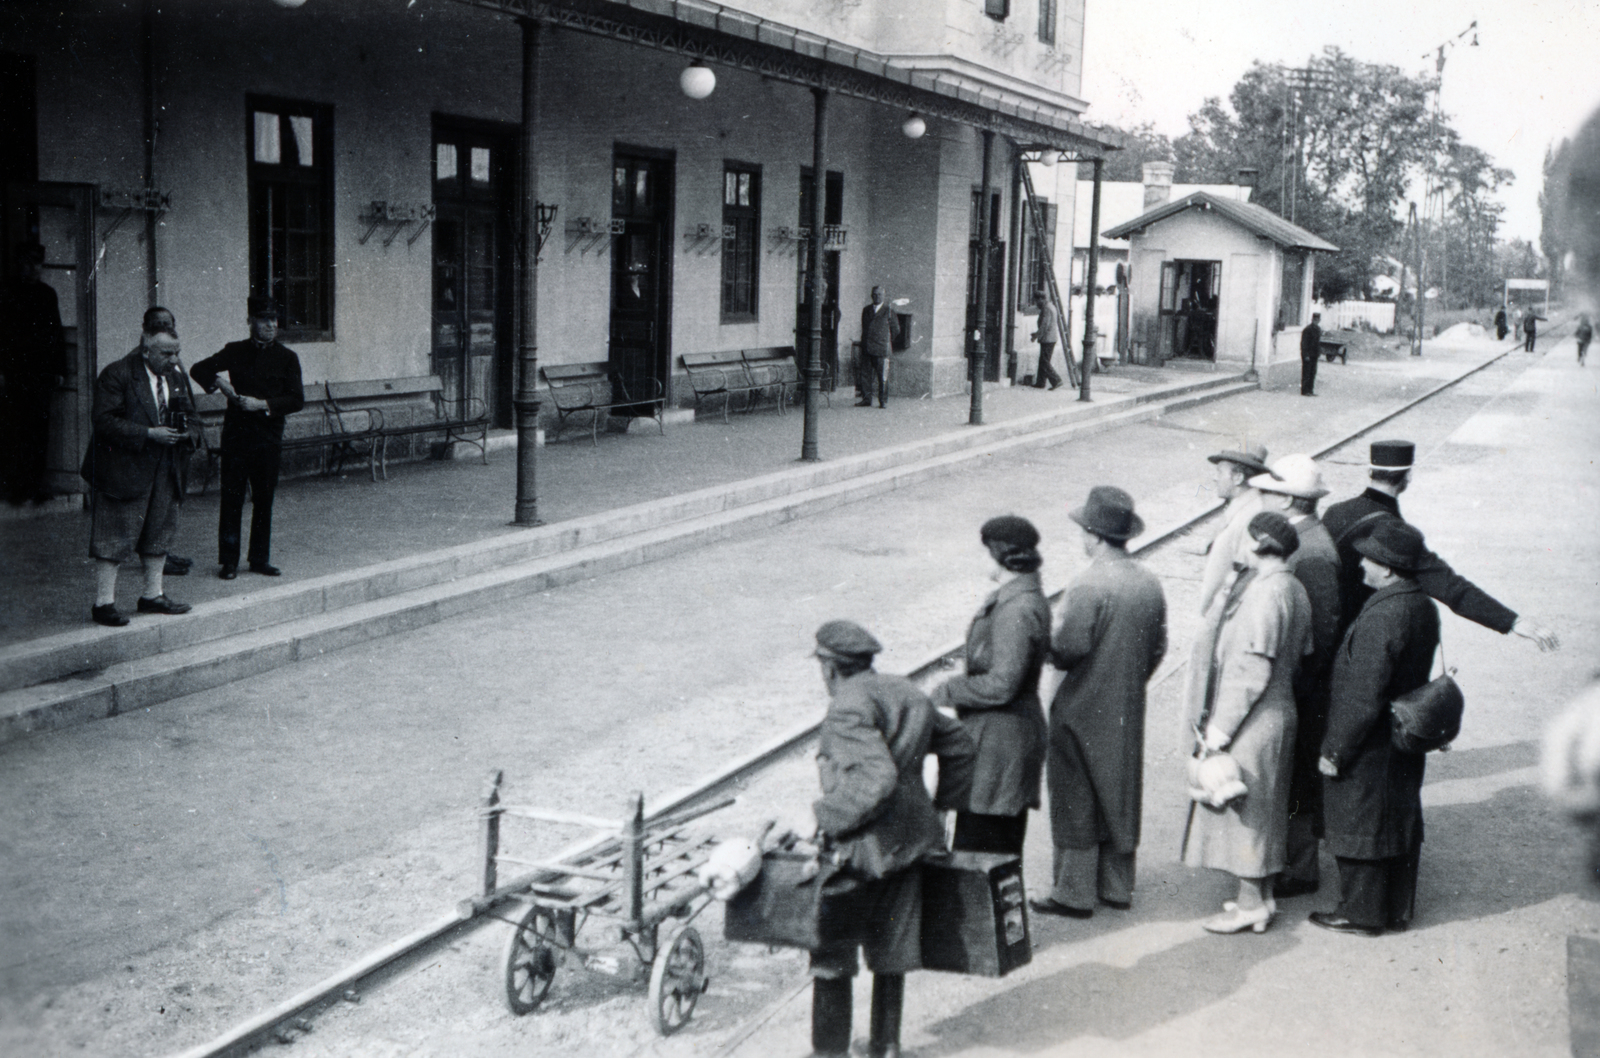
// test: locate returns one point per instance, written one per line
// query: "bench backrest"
(725, 358)
(772, 363)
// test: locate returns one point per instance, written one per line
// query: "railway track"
(479, 911)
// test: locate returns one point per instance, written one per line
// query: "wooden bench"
(752, 372)
(778, 366)
(346, 433)
(458, 420)
(596, 389)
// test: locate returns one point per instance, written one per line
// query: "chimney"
(1157, 183)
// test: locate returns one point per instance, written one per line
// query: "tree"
(1145, 144)
(1555, 236)
(1467, 273)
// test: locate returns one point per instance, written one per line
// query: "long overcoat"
(998, 698)
(874, 806)
(1263, 637)
(1315, 564)
(1225, 547)
(122, 462)
(1112, 635)
(1373, 810)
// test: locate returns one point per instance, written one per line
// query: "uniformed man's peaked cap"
(1392, 455)
(846, 639)
(259, 306)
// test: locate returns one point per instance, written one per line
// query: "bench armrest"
(471, 409)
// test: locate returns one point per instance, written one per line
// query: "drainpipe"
(819, 186)
(526, 401)
(147, 29)
(1089, 280)
(1013, 263)
(979, 354)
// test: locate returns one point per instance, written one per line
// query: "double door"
(641, 273)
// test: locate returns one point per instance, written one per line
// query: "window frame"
(999, 10)
(1047, 22)
(261, 180)
(742, 248)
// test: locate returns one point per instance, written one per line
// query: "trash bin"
(902, 339)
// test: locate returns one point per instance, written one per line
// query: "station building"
(367, 163)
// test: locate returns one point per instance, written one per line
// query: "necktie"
(161, 402)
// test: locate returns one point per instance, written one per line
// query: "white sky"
(1533, 79)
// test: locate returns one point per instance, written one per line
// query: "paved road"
(232, 847)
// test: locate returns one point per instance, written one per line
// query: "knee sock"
(105, 582)
(154, 566)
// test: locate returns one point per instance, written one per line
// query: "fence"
(1368, 315)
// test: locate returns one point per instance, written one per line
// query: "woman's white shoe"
(1237, 921)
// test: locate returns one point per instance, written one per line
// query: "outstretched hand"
(1546, 639)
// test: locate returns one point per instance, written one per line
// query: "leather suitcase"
(973, 919)
(783, 906)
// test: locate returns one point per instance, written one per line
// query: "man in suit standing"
(1294, 492)
(879, 329)
(261, 379)
(1047, 335)
(1310, 350)
(137, 467)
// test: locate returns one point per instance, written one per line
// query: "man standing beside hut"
(1112, 635)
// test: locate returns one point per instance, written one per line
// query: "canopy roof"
(1248, 215)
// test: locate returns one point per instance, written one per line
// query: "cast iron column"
(152, 274)
(979, 353)
(527, 397)
(819, 184)
(1089, 282)
(1013, 263)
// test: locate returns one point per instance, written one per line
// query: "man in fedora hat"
(261, 379)
(1294, 492)
(1372, 799)
(1389, 471)
(876, 820)
(1234, 469)
(1111, 636)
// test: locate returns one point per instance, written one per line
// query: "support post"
(491, 831)
(1422, 293)
(1089, 281)
(813, 354)
(527, 396)
(978, 351)
(152, 274)
(1013, 262)
(633, 858)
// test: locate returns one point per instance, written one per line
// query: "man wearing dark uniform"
(876, 821)
(1310, 350)
(1353, 519)
(263, 386)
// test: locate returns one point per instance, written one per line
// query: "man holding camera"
(137, 466)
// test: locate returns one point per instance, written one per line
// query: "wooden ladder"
(1037, 223)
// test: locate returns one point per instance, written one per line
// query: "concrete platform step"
(93, 672)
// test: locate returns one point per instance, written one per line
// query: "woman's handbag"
(1429, 717)
(783, 906)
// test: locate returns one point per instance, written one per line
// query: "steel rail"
(475, 912)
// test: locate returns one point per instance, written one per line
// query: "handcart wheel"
(530, 961)
(677, 977)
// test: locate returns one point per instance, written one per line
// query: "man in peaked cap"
(1111, 635)
(876, 819)
(1348, 522)
(1234, 469)
(261, 379)
(1315, 564)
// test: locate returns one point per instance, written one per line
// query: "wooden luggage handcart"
(639, 882)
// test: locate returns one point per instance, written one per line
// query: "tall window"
(1047, 21)
(741, 227)
(291, 212)
(1035, 254)
(997, 9)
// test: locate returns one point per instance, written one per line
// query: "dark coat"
(32, 345)
(271, 373)
(122, 461)
(1435, 577)
(998, 698)
(1310, 342)
(1315, 564)
(1113, 634)
(1373, 810)
(879, 328)
(874, 807)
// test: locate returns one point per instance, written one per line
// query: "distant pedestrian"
(137, 470)
(1584, 334)
(877, 820)
(1111, 635)
(261, 379)
(33, 364)
(1315, 564)
(879, 330)
(1234, 467)
(1310, 352)
(1389, 473)
(1500, 327)
(998, 697)
(1373, 792)
(1530, 329)
(1047, 335)
(1245, 665)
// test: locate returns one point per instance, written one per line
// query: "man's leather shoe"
(162, 604)
(107, 615)
(1117, 905)
(228, 572)
(1051, 906)
(1295, 887)
(863, 404)
(177, 566)
(266, 569)
(1340, 924)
